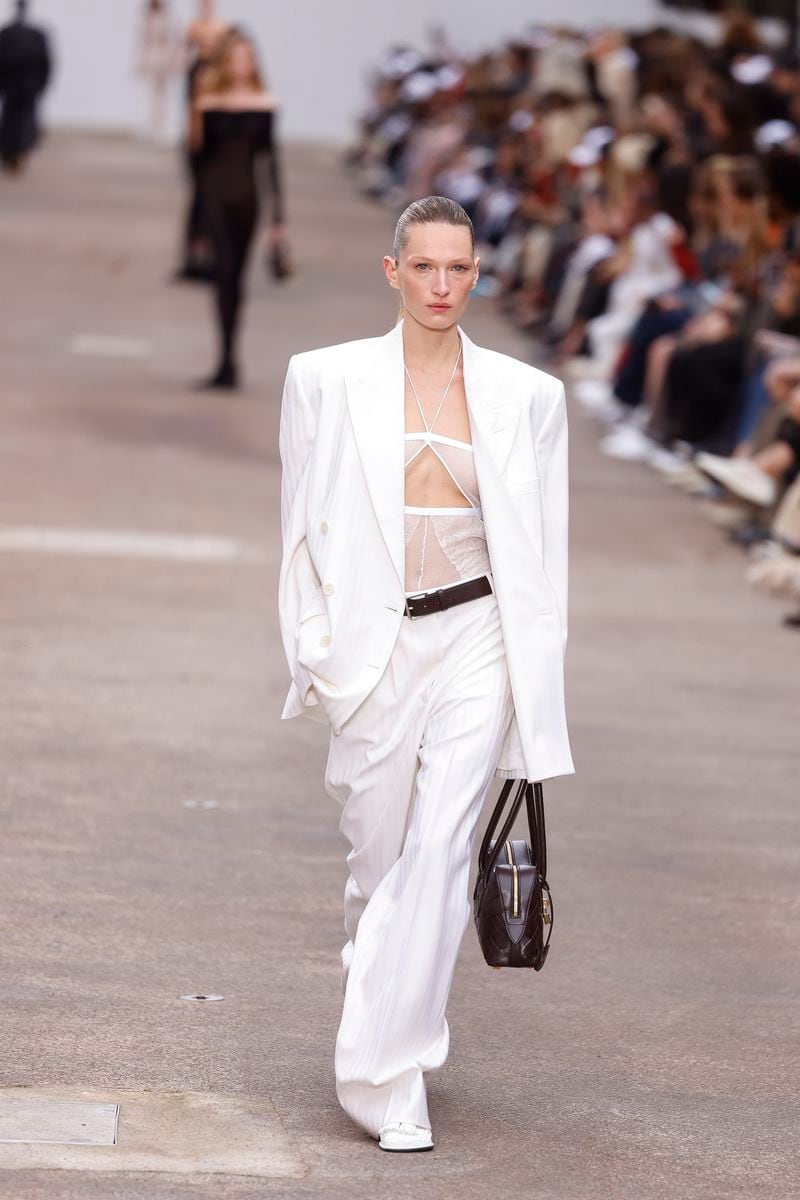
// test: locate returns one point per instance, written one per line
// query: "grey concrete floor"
(657, 1053)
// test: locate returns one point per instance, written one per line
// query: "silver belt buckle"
(413, 596)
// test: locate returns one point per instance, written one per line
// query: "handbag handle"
(534, 803)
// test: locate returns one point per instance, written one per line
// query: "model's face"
(435, 273)
(241, 63)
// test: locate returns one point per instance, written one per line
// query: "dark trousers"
(652, 324)
(704, 393)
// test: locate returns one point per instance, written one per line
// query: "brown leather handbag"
(512, 904)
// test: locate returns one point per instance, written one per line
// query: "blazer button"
(324, 526)
(325, 640)
(328, 589)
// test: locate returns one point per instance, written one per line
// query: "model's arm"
(294, 440)
(274, 174)
(552, 458)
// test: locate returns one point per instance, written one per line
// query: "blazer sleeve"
(295, 439)
(551, 443)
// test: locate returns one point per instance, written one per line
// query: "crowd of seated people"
(636, 200)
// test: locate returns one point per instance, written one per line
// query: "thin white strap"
(438, 437)
(446, 390)
(463, 510)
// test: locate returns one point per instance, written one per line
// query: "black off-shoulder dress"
(235, 144)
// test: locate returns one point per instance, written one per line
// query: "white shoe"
(402, 1135)
(583, 367)
(667, 462)
(741, 476)
(691, 481)
(592, 394)
(613, 413)
(627, 443)
(779, 574)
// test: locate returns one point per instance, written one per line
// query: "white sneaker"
(741, 476)
(627, 443)
(667, 462)
(402, 1135)
(592, 394)
(583, 367)
(779, 574)
(613, 413)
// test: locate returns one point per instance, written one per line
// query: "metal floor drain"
(201, 996)
(62, 1122)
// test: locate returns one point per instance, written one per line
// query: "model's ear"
(477, 263)
(390, 270)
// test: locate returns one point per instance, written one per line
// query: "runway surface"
(164, 834)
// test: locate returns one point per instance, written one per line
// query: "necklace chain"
(429, 428)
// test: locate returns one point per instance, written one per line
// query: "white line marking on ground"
(100, 346)
(122, 543)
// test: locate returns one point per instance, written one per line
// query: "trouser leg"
(232, 234)
(411, 854)
(370, 771)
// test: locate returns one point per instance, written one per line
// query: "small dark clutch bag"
(279, 261)
(512, 905)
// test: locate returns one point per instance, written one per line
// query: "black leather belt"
(442, 598)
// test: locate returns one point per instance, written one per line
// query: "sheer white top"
(443, 545)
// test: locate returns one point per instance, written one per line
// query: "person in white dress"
(158, 60)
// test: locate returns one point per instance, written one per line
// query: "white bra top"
(456, 458)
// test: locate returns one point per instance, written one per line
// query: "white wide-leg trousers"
(411, 769)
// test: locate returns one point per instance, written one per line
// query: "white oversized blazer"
(342, 579)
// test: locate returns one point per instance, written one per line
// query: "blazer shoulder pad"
(325, 356)
(527, 374)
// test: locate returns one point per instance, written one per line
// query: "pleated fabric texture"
(411, 769)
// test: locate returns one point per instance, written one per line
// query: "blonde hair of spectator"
(430, 210)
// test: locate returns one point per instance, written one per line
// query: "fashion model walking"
(234, 127)
(157, 61)
(423, 610)
(204, 36)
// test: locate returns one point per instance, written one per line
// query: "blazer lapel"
(375, 398)
(493, 409)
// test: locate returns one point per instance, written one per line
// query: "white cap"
(520, 120)
(449, 76)
(398, 63)
(774, 133)
(599, 136)
(752, 70)
(584, 156)
(419, 86)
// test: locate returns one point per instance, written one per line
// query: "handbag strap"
(487, 858)
(534, 803)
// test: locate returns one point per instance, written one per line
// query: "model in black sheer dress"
(204, 37)
(235, 135)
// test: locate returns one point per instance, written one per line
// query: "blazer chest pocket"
(519, 487)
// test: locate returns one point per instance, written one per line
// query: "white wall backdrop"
(316, 52)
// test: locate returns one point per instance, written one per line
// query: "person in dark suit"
(24, 72)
